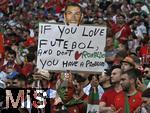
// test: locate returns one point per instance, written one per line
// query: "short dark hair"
(79, 78)
(92, 75)
(132, 73)
(146, 65)
(146, 93)
(74, 5)
(121, 15)
(107, 72)
(12, 52)
(115, 66)
(30, 57)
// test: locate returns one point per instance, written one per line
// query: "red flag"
(1, 44)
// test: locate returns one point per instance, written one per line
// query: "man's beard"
(127, 88)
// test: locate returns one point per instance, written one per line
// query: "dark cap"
(107, 72)
(129, 60)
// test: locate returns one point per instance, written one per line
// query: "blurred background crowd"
(127, 42)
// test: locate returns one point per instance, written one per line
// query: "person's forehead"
(125, 63)
(116, 70)
(66, 84)
(73, 8)
(137, 16)
(94, 77)
(103, 75)
(125, 75)
(119, 16)
(137, 4)
(109, 38)
(8, 80)
(10, 54)
(16, 80)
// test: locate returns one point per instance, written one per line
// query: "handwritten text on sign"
(78, 48)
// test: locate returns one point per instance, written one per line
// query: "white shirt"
(148, 86)
(86, 90)
(51, 93)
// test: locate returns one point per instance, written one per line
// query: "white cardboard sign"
(76, 48)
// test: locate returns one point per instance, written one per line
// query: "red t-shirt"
(126, 31)
(145, 54)
(144, 51)
(30, 41)
(109, 96)
(27, 69)
(134, 101)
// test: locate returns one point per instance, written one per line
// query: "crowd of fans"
(127, 54)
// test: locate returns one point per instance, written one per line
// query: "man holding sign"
(73, 15)
(72, 47)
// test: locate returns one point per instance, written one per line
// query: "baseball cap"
(107, 72)
(129, 60)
